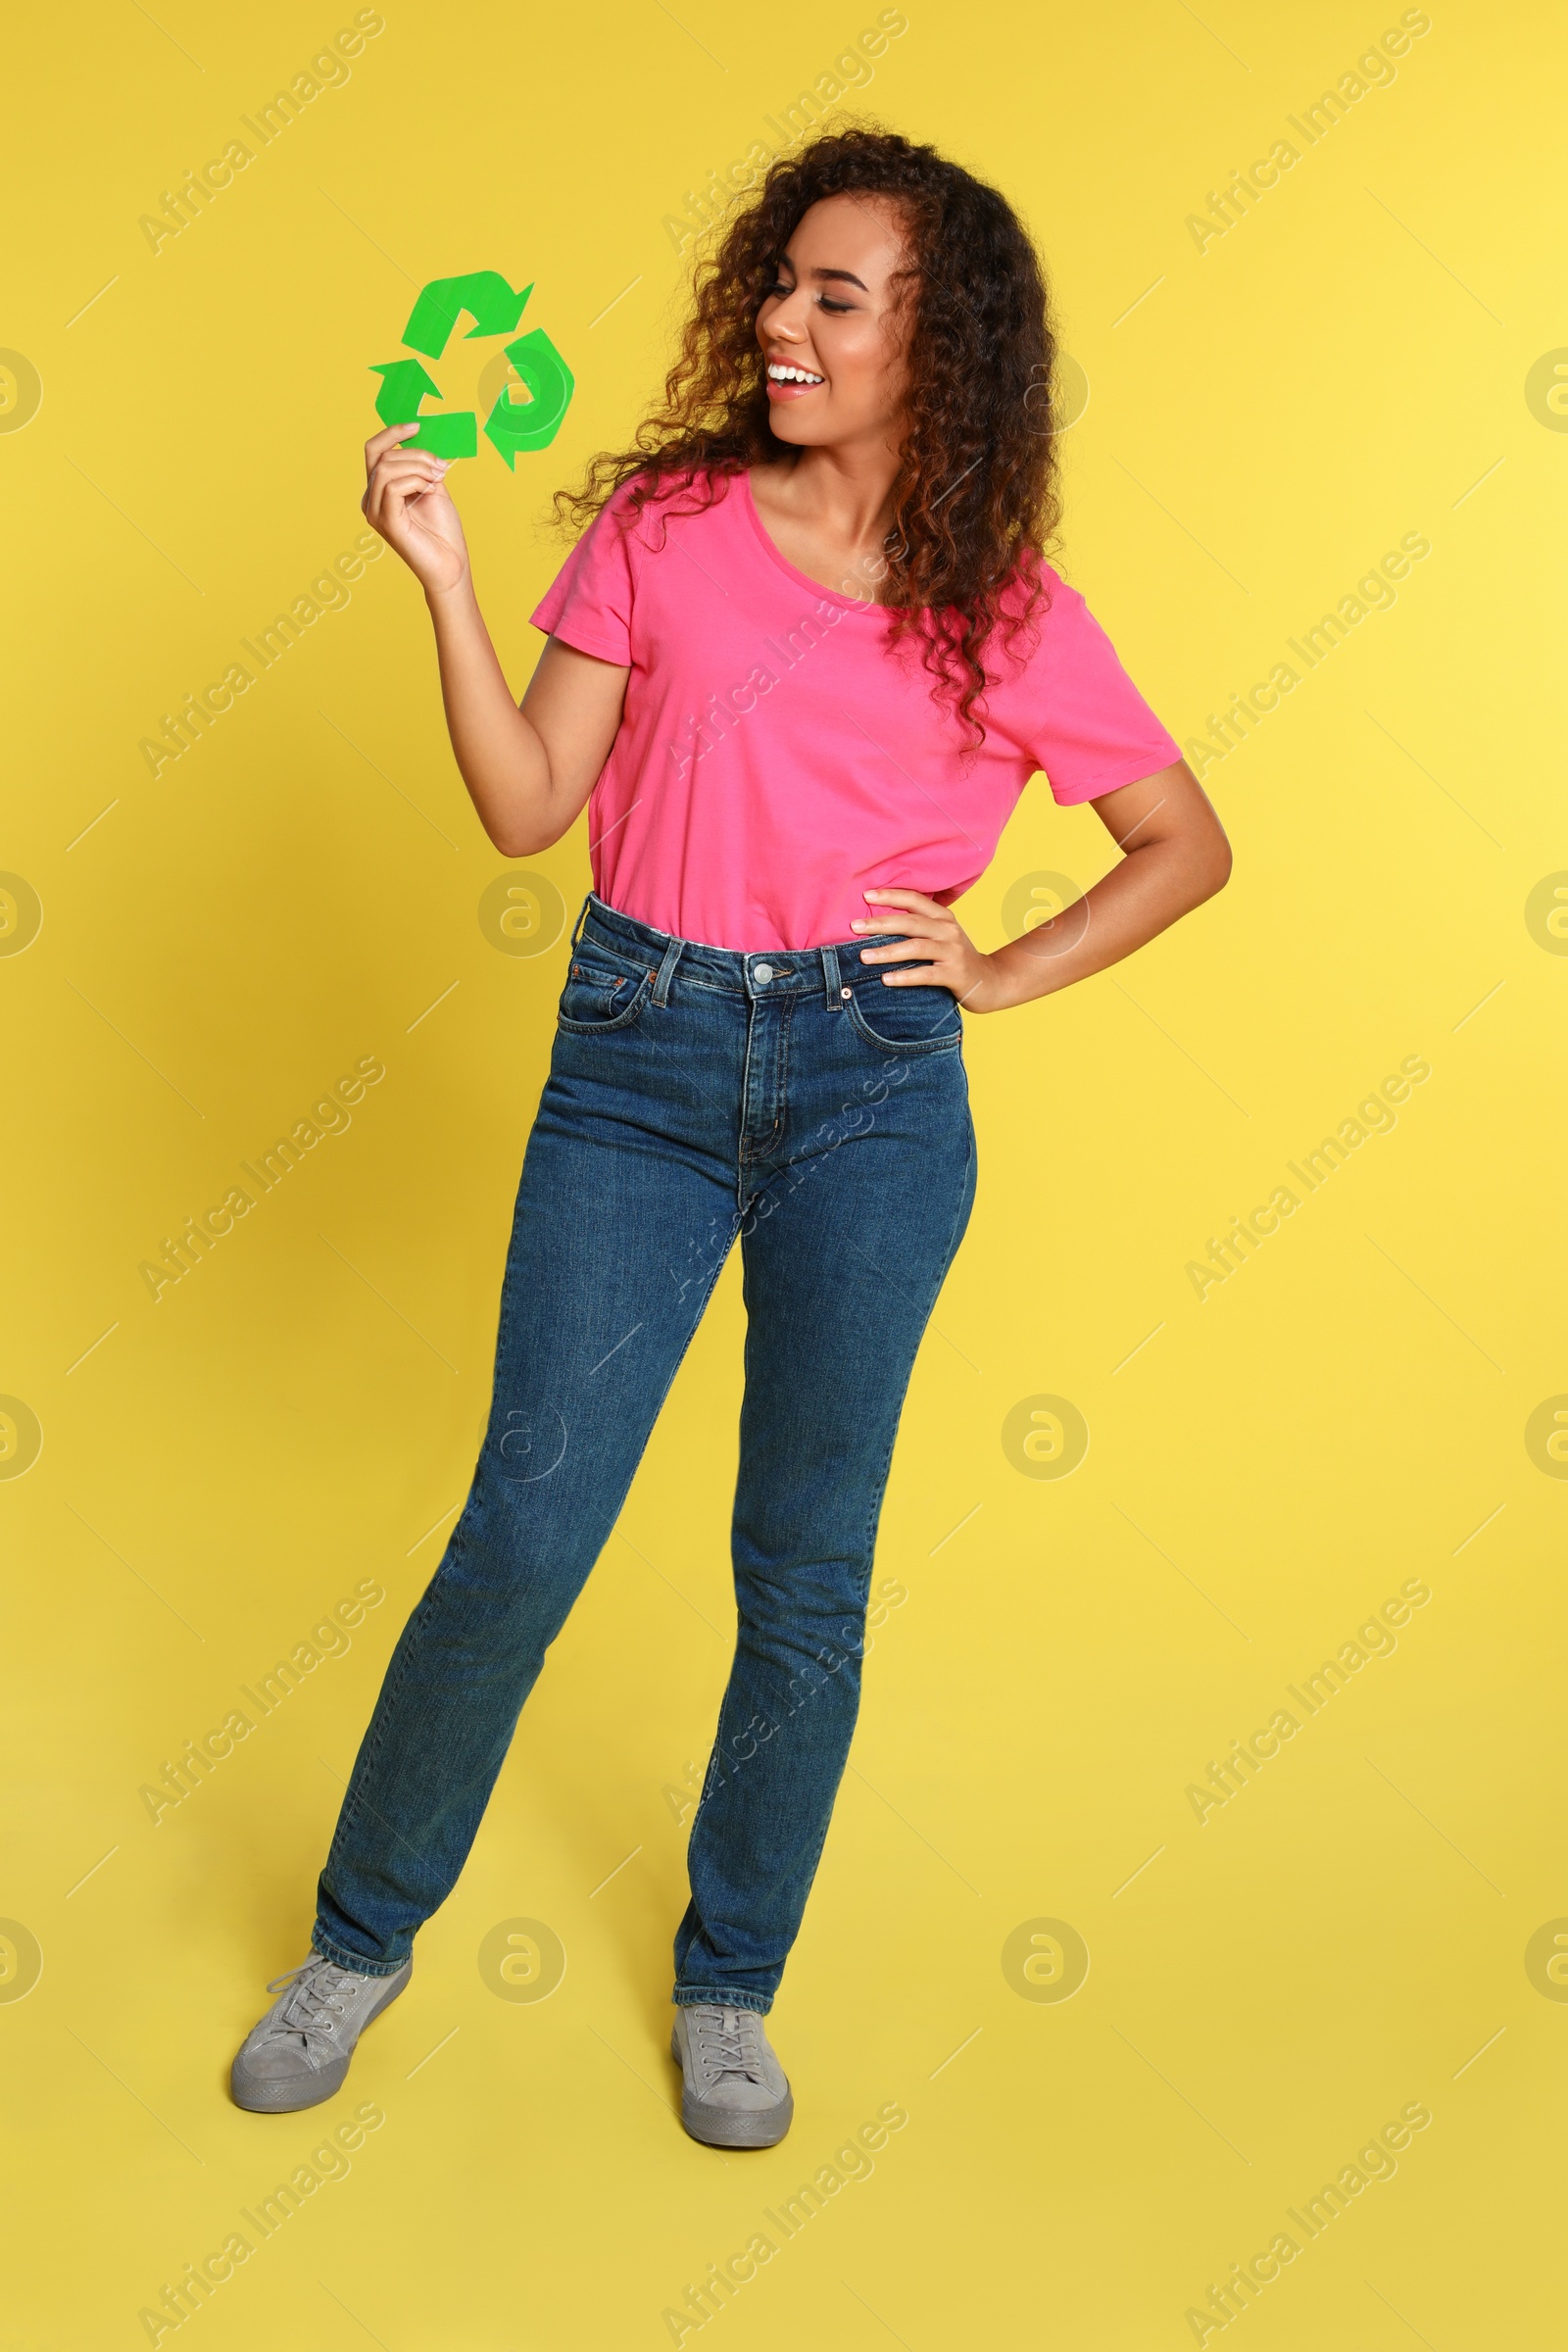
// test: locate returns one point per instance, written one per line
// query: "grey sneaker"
(734, 2092)
(299, 2054)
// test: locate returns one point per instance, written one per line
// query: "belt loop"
(830, 979)
(666, 971)
(582, 911)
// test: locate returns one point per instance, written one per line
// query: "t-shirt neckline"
(802, 579)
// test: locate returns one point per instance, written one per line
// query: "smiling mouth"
(786, 378)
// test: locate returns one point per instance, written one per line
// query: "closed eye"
(825, 302)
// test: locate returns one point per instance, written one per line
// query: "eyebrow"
(844, 276)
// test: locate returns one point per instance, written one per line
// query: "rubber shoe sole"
(265, 2097)
(730, 2127)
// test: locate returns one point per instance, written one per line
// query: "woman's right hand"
(405, 500)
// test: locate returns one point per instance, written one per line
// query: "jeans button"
(761, 973)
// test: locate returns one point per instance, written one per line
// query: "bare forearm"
(498, 750)
(528, 772)
(1150, 888)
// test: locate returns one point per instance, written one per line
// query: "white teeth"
(784, 374)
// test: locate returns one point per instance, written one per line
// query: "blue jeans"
(696, 1095)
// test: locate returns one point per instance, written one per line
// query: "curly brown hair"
(976, 500)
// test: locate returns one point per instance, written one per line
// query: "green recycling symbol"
(485, 297)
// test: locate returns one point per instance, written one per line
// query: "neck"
(846, 490)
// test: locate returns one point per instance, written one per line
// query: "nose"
(786, 324)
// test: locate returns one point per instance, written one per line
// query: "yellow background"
(1344, 365)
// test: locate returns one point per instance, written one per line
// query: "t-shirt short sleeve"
(590, 603)
(1079, 713)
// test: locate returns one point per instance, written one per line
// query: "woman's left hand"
(928, 930)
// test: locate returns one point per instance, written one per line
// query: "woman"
(799, 670)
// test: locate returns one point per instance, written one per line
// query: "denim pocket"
(906, 1020)
(601, 995)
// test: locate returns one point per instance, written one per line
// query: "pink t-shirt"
(777, 757)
